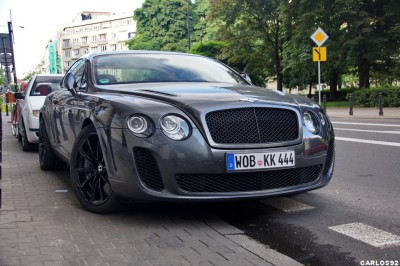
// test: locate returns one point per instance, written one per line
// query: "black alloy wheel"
(89, 174)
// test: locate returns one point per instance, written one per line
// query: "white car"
(31, 100)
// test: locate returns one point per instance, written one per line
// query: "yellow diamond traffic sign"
(319, 36)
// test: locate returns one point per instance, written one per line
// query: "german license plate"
(248, 161)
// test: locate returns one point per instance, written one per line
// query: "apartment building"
(94, 32)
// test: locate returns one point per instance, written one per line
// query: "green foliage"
(211, 49)
(340, 96)
(370, 97)
(161, 25)
(29, 75)
(270, 40)
(252, 29)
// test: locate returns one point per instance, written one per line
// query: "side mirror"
(69, 83)
(19, 96)
(246, 77)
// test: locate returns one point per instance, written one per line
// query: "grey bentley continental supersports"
(159, 126)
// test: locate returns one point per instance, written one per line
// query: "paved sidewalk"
(372, 113)
(42, 223)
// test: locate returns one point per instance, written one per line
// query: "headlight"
(140, 125)
(35, 113)
(311, 123)
(175, 127)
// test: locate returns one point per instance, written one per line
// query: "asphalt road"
(355, 220)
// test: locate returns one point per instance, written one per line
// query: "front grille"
(148, 169)
(329, 158)
(252, 125)
(248, 181)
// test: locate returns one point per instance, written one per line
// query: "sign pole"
(319, 82)
(319, 54)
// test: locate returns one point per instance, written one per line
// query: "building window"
(131, 35)
(76, 52)
(94, 49)
(67, 64)
(85, 51)
(113, 35)
(75, 41)
(84, 40)
(106, 25)
(66, 43)
(94, 38)
(103, 36)
(67, 53)
(103, 48)
(113, 47)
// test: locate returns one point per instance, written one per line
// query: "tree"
(252, 29)
(29, 75)
(306, 16)
(373, 35)
(161, 25)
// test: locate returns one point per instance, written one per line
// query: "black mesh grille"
(252, 125)
(248, 181)
(148, 169)
(329, 158)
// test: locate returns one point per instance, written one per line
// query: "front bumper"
(159, 169)
(32, 133)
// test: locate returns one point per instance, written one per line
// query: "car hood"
(36, 102)
(195, 95)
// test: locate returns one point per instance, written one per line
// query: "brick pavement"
(39, 226)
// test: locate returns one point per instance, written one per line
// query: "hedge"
(341, 94)
(370, 97)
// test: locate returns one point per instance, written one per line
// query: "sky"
(41, 19)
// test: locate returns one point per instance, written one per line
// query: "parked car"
(31, 100)
(162, 126)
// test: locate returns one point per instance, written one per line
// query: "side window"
(78, 71)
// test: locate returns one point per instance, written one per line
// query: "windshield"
(141, 68)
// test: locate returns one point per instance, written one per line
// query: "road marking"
(385, 143)
(368, 234)
(364, 124)
(371, 131)
(287, 205)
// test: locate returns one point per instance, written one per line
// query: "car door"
(66, 115)
(23, 110)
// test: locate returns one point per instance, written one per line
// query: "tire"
(88, 174)
(48, 160)
(26, 145)
(19, 136)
